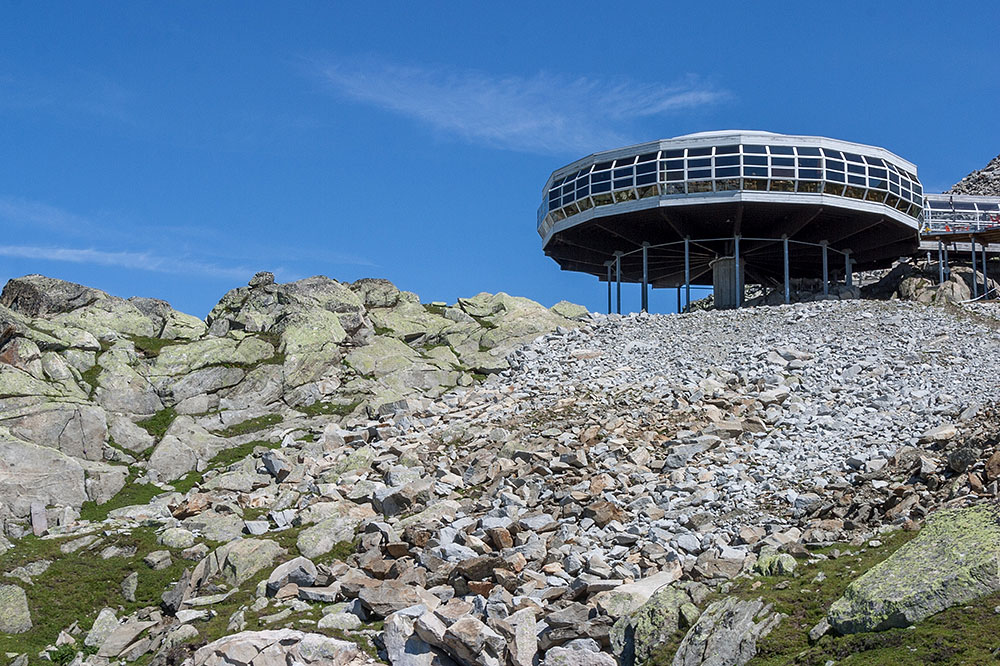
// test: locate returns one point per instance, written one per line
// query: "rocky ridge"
(589, 501)
(984, 182)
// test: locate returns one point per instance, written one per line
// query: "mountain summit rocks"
(984, 182)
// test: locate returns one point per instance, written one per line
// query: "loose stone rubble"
(578, 505)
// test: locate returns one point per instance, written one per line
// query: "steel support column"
(826, 269)
(975, 275)
(608, 264)
(848, 273)
(687, 272)
(940, 262)
(678, 299)
(644, 301)
(986, 274)
(788, 289)
(618, 281)
(736, 264)
(947, 265)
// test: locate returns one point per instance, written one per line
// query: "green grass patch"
(78, 585)
(435, 309)
(90, 376)
(158, 423)
(151, 347)
(227, 457)
(132, 493)
(250, 425)
(329, 408)
(960, 635)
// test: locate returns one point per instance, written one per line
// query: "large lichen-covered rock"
(39, 296)
(772, 563)
(634, 636)
(75, 428)
(726, 634)
(120, 388)
(569, 310)
(15, 618)
(185, 447)
(30, 473)
(168, 323)
(310, 342)
(628, 598)
(260, 307)
(955, 559)
(177, 360)
(236, 562)
(107, 318)
(324, 535)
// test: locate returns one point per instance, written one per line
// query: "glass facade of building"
(730, 166)
(946, 212)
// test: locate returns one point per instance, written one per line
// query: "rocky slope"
(331, 473)
(985, 181)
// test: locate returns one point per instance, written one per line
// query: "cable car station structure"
(725, 208)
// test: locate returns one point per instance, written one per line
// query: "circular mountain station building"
(732, 207)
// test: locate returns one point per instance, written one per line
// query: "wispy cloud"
(144, 261)
(544, 113)
(35, 214)
(82, 91)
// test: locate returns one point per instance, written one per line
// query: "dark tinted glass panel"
(878, 173)
(856, 180)
(810, 174)
(755, 171)
(961, 205)
(728, 160)
(809, 162)
(704, 162)
(783, 161)
(852, 157)
(942, 205)
(878, 183)
(625, 182)
(648, 167)
(874, 160)
(988, 206)
(558, 182)
(894, 188)
(782, 172)
(621, 173)
(834, 165)
(726, 172)
(648, 157)
(600, 177)
(855, 192)
(754, 184)
(600, 166)
(567, 188)
(673, 153)
(875, 195)
(624, 161)
(833, 153)
(673, 164)
(833, 188)
(754, 160)
(855, 168)
(727, 184)
(754, 149)
(600, 187)
(645, 179)
(700, 173)
(568, 200)
(582, 192)
(782, 150)
(805, 150)
(675, 175)
(726, 150)
(894, 177)
(917, 188)
(835, 175)
(696, 152)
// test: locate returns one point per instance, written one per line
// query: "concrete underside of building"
(873, 239)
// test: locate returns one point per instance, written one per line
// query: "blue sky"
(173, 149)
